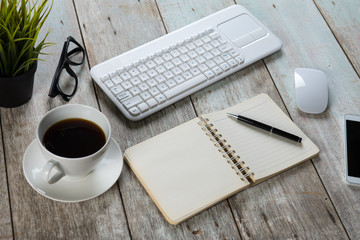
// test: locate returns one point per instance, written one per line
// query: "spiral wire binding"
(233, 159)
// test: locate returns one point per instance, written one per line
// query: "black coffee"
(74, 138)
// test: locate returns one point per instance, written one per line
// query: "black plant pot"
(16, 91)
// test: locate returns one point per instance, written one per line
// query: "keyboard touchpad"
(242, 30)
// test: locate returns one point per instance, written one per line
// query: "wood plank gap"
(123, 206)
(86, 55)
(161, 17)
(234, 218)
(7, 179)
(337, 40)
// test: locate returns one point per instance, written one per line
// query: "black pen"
(266, 127)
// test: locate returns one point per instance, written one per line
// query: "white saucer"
(73, 190)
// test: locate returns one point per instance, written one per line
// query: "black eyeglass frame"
(65, 62)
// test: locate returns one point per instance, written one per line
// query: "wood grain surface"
(310, 201)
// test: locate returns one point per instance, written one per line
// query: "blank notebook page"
(183, 171)
(266, 154)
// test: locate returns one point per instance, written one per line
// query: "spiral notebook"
(191, 167)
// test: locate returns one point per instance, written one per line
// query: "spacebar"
(185, 86)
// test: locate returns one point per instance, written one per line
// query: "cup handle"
(48, 167)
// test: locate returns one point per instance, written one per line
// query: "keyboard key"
(225, 48)
(145, 95)
(151, 64)
(142, 68)
(168, 65)
(171, 83)
(209, 74)
(218, 60)
(168, 75)
(176, 71)
(210, 30)
(167, 57)
(193, 63)
(217, 70)
(134, 72)
(210, 63)
(116, 80)
(239, 59)
(152, 103)
(184, 66)
(143, 87)
(233, 63)
(143, 77)
(207, 47)
(225, 66)
(187, 75)
(200, 59)
(179, 79)
(109, 83)
(104, 78)
(113, 74)
(160, 98)
(160, 78)
(176, 61)
(126, 85)
(198, 42)
(160, 69)
(125, 76)
(134, 91)
(215, 52)
(159, 60)
(214, 35)
(134, 111)
(191, 46)
(234, 53)
(195, 71)
(152, 73)
(135, 81)
(123, 96)
(143, 107)
(162, 87)
(226, 56)
(152, 83)
(183, 49)
(215, 43)
(200, 50)
(185, 86)
(206, 39)
(175, 53)
(208, 56)
(154, 91)
(132, 102)
(203, 67)
(184, 58)
(192, 54)
(116, 90)
(222, 40)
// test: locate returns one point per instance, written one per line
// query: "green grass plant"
(20, 24)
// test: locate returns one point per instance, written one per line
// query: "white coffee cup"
(56, 166)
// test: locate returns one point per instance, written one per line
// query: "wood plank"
(292, 205)
(308, 42)
(344, 22)
(145, 221)
(34, 216)
(5, 217)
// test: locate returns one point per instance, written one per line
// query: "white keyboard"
(159, 73)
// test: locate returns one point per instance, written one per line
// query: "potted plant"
(20, 24)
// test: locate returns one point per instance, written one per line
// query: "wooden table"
(311, 201)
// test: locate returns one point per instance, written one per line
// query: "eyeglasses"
(72, 54)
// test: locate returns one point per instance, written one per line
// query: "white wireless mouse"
(311, 90)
